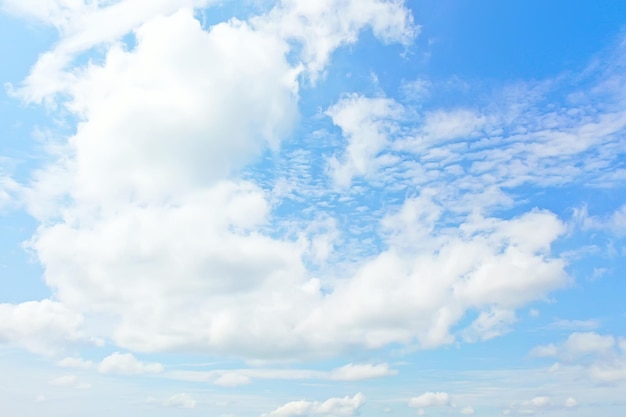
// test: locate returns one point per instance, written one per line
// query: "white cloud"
(82, 25)
(541, 401)
(489, 324)
(612, 370)
(602, 357)
(530, 407)
(321, 27)
(44, 327)
(365, 123)
(231, 379)
(467, 411)
(570, 402)
(127, 364)
(64, 380)
(448, 125)
(431, 399)
(539, 405)
(237, 377)
(146, 169)
(73, 362)
(575, 324)
(618, 221)
(333, 407)
(577, 345)
(181, 400)
(358, 372)
(9, 189)
(141, 125)
(154, 230)
(71, 381)
(145, 222)
(416, 90)
(549, 350)
(614, 222)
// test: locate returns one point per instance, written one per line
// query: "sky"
(299, 208)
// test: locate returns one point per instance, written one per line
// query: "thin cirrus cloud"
(236, 377)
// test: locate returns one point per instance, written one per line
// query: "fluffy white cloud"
(44, 327)
(357, 372)
(571, 402)
(163, 119)
(333, 407)
(148, 161)
(127, 364)
(602, 357)
(467, 411)
(440, 126)
(612, 370)
(320, 323)
(82, 25)
(181, 400)
(146, 226)
(52, 12)
(73, 362)
(427, 280)
(541, 401)
(366, 124)
(532, 406)
(431, 399)
(320, 27)
(577, 345)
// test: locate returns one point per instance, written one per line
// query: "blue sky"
(322, 209)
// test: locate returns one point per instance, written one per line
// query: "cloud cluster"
(44, 327)
(540, 403)
(333, 407)
(322, 27)
(148, 225)
(603, 357)
(127, 364)
(431, 399)
(82, 25)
